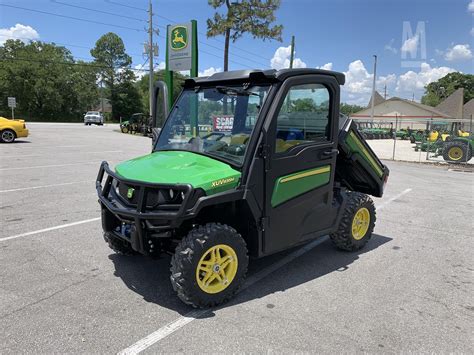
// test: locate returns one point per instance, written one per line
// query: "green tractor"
(248, 163)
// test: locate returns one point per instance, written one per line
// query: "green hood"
(180, 167)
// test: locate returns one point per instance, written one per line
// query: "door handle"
(330, 152)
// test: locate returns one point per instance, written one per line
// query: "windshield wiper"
(236, 91)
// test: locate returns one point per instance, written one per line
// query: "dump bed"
(357, 167)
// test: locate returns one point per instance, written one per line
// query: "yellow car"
(12, 129)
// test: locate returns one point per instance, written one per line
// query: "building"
(416, 115)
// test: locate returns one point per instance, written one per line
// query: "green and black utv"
(247, 164)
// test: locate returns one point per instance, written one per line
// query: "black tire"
(124, 129)
(456, 152)
(187, 257)
(344, 237)
(119, 246)
(7, 136)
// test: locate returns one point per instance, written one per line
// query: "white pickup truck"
(93, 117)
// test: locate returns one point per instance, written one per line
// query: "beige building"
(410, 113)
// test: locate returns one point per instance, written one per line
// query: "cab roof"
(270, 75)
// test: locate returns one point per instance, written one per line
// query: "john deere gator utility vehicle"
(247, 164)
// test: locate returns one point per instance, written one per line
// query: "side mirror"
(159, 110)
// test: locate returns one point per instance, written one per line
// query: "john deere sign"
(180, 47)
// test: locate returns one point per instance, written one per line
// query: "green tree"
(437, 91)
(142, 86)
(45, 79)
(348, 109)
(109, 53)
(246, 16)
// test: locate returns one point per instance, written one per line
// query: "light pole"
(373, 90)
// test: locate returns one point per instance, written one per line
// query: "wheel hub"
(455, 153)
(216, 269)
(360, 223)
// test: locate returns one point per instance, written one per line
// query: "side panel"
(290, 186)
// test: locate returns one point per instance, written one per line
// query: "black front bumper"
(149, 218)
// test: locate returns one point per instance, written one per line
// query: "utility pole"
(292, 55)
(150, 52)
(373, 90)
(385, 92)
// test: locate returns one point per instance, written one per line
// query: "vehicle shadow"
(18, 142)
(150, 278)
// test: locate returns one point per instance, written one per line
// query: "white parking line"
(180, 322)
(170, 328)
(51, 166)
(45, 186)
(396, 197)
(49, 229)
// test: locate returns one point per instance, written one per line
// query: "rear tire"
(209, 265)
(7, 136)
(456, 152)
(357, 223)
(119, 246)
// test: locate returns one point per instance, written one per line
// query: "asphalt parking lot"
(62, 290)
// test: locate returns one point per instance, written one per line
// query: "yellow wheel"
(455, 153)
(357, 222)
(217, 268)
(209, 265)
(360, 223)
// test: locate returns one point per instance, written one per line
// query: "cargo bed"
(358, 168)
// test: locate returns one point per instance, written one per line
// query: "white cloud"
(358, 79)
(19, 31)
(411, 81)
(470, 7)
(411, 44)
(281, 59)
(358, 87)
(327, 66)
(209, 71)
(458, 52)
(142, 70)
(161, 65)
(389, 47)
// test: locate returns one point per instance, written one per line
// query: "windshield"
(92, 113)
(216, 121)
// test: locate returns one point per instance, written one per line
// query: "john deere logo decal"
(179, 37)
(130, 192)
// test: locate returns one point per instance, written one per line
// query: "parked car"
(12, 129)
(93, 117)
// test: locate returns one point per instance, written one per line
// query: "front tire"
(357, 223)
(7, 136)
(209, 265)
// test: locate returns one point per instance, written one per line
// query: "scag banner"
(223, 123)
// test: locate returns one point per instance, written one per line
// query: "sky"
(416, 42)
